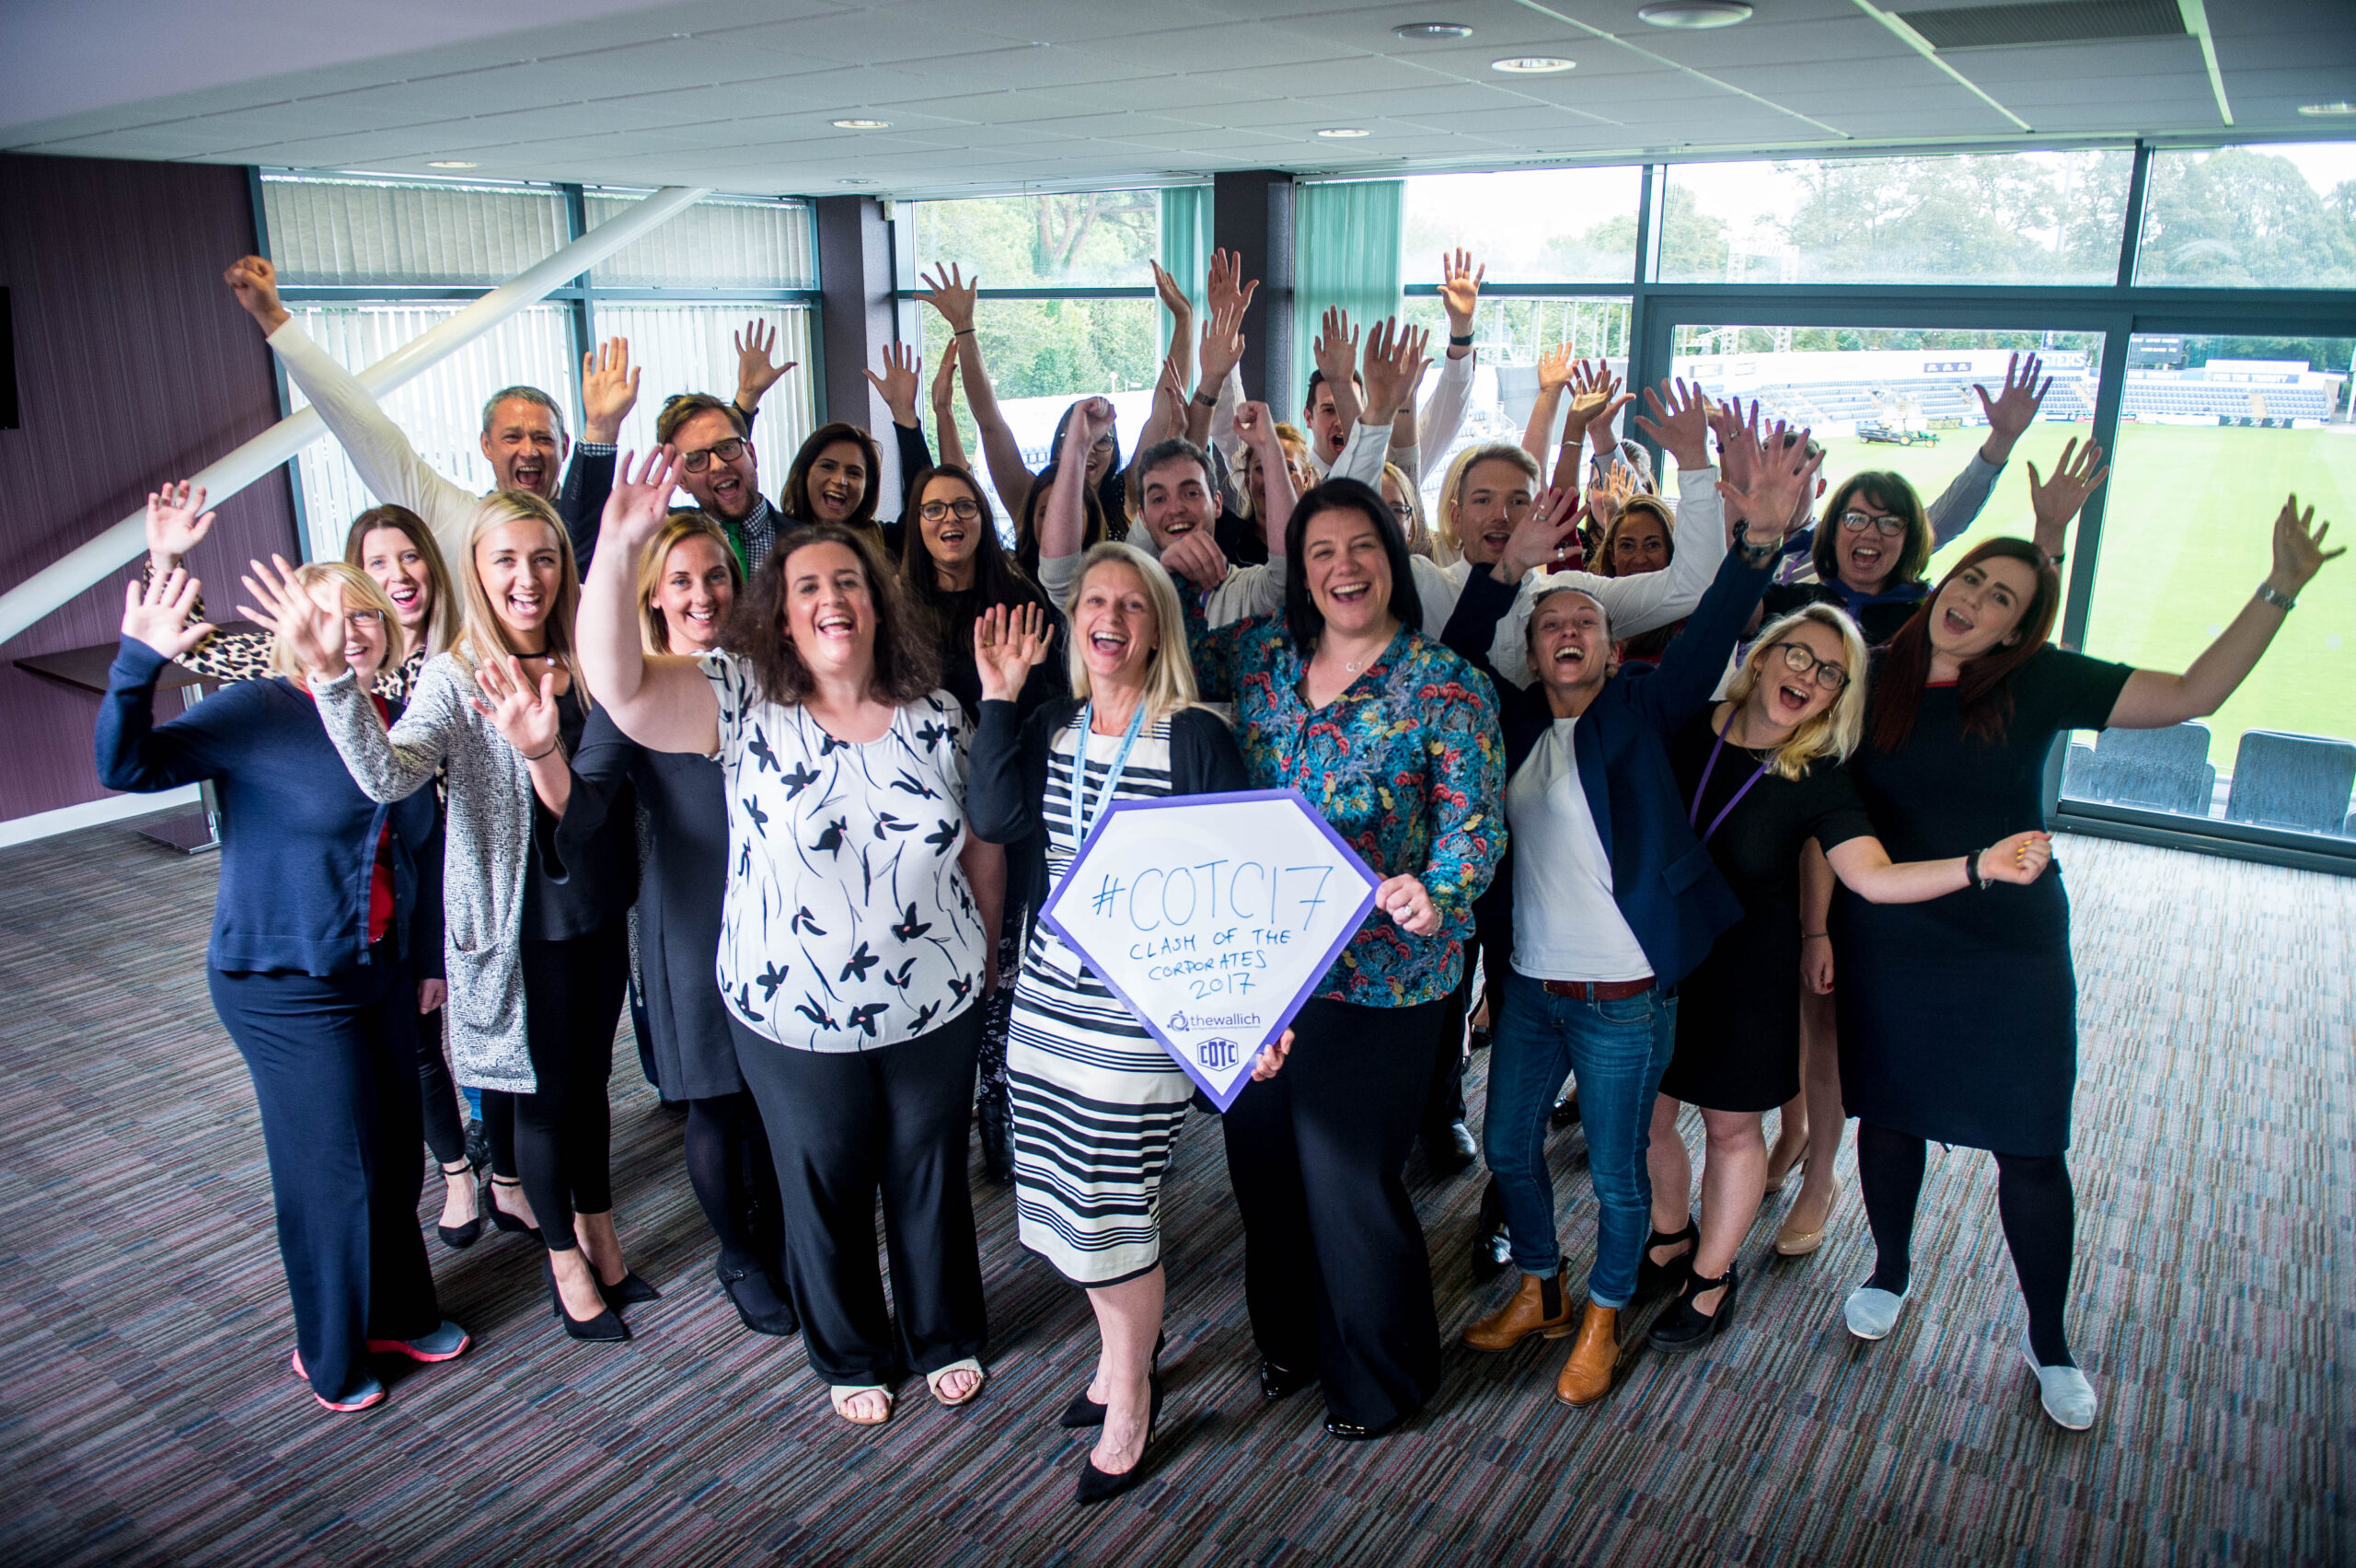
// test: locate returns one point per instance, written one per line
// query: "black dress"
(1958, 1016)
(679, 895)
(1738, 1013)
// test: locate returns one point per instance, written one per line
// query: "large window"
(368, 264)
(2215, 433)
(2039, 218)
(1556, 226)
(2281, 217)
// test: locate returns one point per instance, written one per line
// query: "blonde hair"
(1419, 533)
(482, 636)
(654, 633)
(1452, 487)
(1169, 674)
(1835, 732)
(1296, 447)
(360, 592)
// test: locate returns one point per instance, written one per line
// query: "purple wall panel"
(133, 365)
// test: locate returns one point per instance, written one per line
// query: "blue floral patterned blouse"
(1407, 765)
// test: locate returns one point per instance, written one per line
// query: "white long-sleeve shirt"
(1442, 416)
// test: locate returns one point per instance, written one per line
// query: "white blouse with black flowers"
(847, 924)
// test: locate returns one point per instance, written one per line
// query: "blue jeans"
(1619, 1049)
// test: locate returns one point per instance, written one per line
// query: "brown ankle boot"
(1537, 1308)
(1587, 1376)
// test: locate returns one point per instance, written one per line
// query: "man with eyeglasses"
(719, 467)
(523, 437)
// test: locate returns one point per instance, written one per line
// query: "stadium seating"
(2297, 782)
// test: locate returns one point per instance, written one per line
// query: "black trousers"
(564, 1137)
(438, 1095)
(1334, 1270)
(845, 1126)
(334, 1064)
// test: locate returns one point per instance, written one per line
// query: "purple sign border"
(1291, 1009)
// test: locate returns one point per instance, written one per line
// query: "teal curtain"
(1186, 245)
(1346, 253)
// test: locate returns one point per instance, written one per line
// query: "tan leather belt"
(1597, 990)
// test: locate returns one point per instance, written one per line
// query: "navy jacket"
(298, 839)
(1667, 888)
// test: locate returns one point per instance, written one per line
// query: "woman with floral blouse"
(1395, 741)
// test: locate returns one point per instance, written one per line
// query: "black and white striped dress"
(1097, 1100)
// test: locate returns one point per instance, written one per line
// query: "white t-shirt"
(1565, 926)
(847, 923)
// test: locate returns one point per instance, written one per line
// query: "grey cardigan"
(486, 858)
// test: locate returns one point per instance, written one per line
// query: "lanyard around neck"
(1693, 814)
(1081, 815)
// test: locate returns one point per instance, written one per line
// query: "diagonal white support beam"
(63, 580)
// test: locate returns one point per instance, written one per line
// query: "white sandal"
(932, 1382)
(841, 1394)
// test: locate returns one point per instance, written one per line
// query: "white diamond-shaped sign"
(1213, 918)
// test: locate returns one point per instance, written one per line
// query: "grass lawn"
(2185, 540)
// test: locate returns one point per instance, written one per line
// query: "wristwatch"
(2269, 595)
(1753, 556)
(1457, 341)
(1210, 401)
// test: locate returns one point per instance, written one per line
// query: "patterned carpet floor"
(147, 1414)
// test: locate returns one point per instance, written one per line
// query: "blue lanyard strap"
(1081, 816)
(1693, 813)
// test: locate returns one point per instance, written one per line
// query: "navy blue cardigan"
(1667, 888)
(298, 839)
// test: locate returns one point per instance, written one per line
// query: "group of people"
(791, 782)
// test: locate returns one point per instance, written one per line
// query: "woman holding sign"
(1394, 742)
(851, 954)
(1097, 1100)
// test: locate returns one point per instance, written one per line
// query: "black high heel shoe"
(630, 1292)
(1275, 1383)
(759, 1306)
(1084, 1411)
(1097, 1485)
(510, 1223)
(1684, 1327)
(458, 1237)
(1653, 1278)
(605, 1328)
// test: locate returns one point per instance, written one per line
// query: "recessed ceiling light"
(449, 163)
(1694, 13)
(1531, 64)
(1431, 32)
(862, 125)
(2342, 107)
(1343, 133)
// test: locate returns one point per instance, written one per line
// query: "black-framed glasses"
(1832, 677)
(1858, 522)
(727, 451)
(965, 509)
(1404, 512)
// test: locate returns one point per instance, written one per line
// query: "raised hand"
(311, 632)
(638, 504)
(1395, 363)
(2298, 548)
(1091, 418)
(174, 527)
(1197, 557)
(756, 373)
(947, 291)
(944, 383)
(1547, 537)
(2020, 860)
(1335, 350)
(898, 385)
(1222, 344)
(1678, 420)
(1271, 1059)
(1554, 368)
(1595, 399)
(1405, 900)
(1255, 426)
(255, 283)
(2011, 410)
(1173, 298)
(2055, 501)
(157, 613)
(1734, 445)
(1008, 643)
(608, 391)
(1226, 284)
(1780, 473)
(1460, 290)
(524, 714)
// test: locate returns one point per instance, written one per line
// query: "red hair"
(1983, 683)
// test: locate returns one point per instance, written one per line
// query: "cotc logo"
(1219, 1054)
